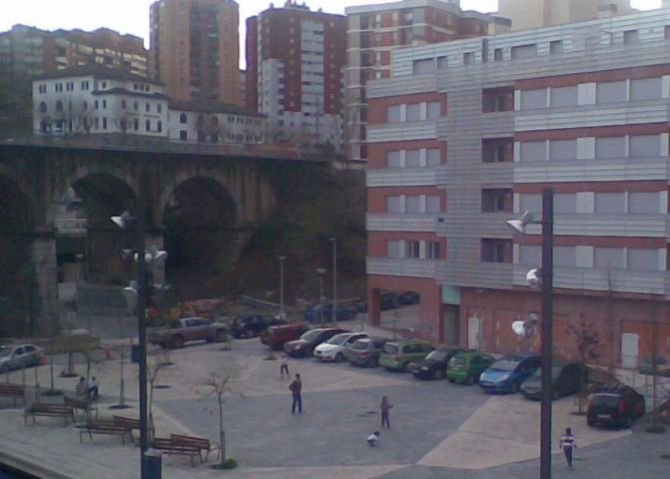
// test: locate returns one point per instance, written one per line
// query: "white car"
(332, 350)
(19, 356)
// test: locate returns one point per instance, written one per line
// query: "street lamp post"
(281, 286)
(546, 278)
(321, 272)
(334, 313)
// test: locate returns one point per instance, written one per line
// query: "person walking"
(283, 368)
(567, 443)
(296, 390)
(384, 407)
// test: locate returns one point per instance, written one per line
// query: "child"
(567, 443)
(284, 367)
(373, 439)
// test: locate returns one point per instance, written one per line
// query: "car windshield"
(437, 355)
(505, 365)
(4, 352)
(390, 348)
(338, 339)
(310, 335)
(457, 361)
(608, 400)
(555, 372)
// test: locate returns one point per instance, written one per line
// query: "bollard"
(152, 464)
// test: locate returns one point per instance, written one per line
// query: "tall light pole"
(281, 286)
(321, 272)
(334, 315)
(546, 277)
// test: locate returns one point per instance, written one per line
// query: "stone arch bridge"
(56, 201)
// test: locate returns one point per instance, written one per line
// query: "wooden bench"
(169, 447)
(40, 409)
(14, 391)
(85, 406)
(108, 427)
(204, 445)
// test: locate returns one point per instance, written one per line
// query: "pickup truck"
(188, 329)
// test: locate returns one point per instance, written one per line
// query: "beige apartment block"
(195, 49)
(544, 13)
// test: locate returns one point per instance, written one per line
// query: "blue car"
(507, 374)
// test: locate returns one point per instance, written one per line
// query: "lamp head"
(123, 220)
(519, 225)
(519, 328)
(534, 277)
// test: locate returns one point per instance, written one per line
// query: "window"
(412, 159)
(611, 92)
(565, 203)
(159, 108)
(432, 204)
(644, 146)
(393, 159)
(183, 119)
(413, 112)
(434, 110)
(564, 96)
(147, 107)
(95, 105)
(442, 63)
(533, 151)
(423, 66)
(468, 58)
(136, 106)
(432, 250)
(534, 99)
(496, 250)
(393, 114)
(104, 85)
(412, 249)
(555, 47)
(563, 150)
(393, 204)
(643, 202)
(43, 107)
(136, 124)
(498, 54)
(104, 123)
(123, 104)
(413, 204)
(642, 259)
(104, 104)
(645, 88)
(393, 249)
(630, 37)
(85, 106)
(530, 202)
(496, 200)
(497, 99)
(433, 157)
(611, 147)
(609, 203)
(565, 256)
(159, 126)
(524, 51)
(496, 150)
(608, 258)
(147, 125)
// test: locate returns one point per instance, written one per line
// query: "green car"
(396, 355)
(467, 366)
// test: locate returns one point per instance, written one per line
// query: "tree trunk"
(222, 446)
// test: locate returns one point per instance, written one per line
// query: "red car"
(277, 336)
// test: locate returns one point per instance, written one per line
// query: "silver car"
(19, 356)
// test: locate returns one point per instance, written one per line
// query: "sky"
(132, 16)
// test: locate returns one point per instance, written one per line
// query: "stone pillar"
(46, 272)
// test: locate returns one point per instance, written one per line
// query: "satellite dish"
(519, 328)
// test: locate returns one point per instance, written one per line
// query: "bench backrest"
(76, 403)
(135, 423)
(12, 388)
(199, 442)
(42, 407)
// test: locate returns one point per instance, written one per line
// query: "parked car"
(324, 313)
(19, 356)
(364, 352)
(409, 297)
(467, 366)
(616, 405)
(304, 346)
(647, 366)
(188, 329)
(277, 336)
(566, 379)
(388, 300)
(507, 374)
(433, 366)
(396, 355)
(253, 325)
(333, 349)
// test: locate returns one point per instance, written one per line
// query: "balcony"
(405, 267)
(420, 130)
(620, 225)
(425, 222)
(429, 176)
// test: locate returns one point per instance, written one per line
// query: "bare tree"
(586, 339)
(218, 386)
(154, 370)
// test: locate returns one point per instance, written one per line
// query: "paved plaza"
(439, 430)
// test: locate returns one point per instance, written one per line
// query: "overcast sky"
(132, 16)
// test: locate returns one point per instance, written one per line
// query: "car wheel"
(308, 353)
(177, 342)
(405, 367)
(469, 380)
(221, 336)
(339, 358)
(439, 374)
(629, 422)
(514, 388)
(452, 380)
(4, 369)
(248, 334)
